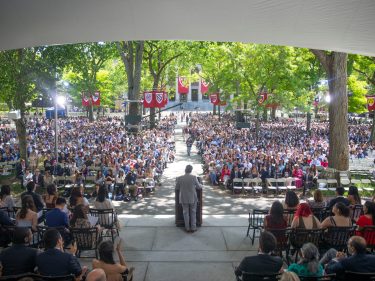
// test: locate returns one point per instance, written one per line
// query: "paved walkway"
(160, 251)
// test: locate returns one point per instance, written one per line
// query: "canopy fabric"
(339, 25)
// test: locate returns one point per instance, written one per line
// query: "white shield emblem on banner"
(95, 97)
(159, 97)
(148, 97)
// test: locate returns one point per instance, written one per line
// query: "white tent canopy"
(339, 25)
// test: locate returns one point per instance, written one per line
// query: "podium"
(179, 216)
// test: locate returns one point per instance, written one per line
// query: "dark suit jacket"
(356, 263)
(40, 180)
(53, 262)
(18, 259)
(37, 199)
(4, 218)
(260, 263)
(337, 200)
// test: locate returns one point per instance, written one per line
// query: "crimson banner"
(95, 98)
(85, 100)
(159, 99)
(215, 98)
(183, 85)
(204, 86)
(262, 97)
(148, 100)
(272, 105)
(370, 103)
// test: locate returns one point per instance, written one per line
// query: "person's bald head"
(97, 274)
(357, 245)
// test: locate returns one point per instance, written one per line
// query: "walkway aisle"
(162, 252)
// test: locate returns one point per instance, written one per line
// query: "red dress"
(298, 175)
(362, 222)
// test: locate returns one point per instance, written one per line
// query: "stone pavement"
(160, 251)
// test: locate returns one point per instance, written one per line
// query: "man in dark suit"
(21, 170)
(339, 198)
(187, 185)
(38, 179)
(263, 263)
(54, 261)
(19, 258)
(359, 261)
(36, 197)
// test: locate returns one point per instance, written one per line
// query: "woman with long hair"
(77, 198)
(51, 196)
(341, 217)
(318, 201)
(275, 219)
(309, 265)
(304, 218)
(112, 269)
(291, 200)
(27, 216)
(6, 198)
(353, 196)
(368, 218)
(102, 201)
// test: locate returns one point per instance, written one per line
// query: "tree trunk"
(308, 123)
(372, 137)
(335, 65)
(265, 114)
(316, 110)
(273, 113)
(257, 126)
(219, 112)
(90, 113)
(21, 133)
(214, 110)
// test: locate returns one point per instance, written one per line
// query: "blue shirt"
(56, 218)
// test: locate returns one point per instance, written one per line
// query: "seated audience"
(358, 261)
(38, 202)
(54, 261)
(353, 196)
(340, 218)
(339, 198)
(27, 216)
(112, 269)
(263, 262)
(5, 197)
(304, 218)
(368, 218)
(96, 274)
(77, 198)
(318, 201)
(309, 265)
(19, 258)
(291, 200)
(275, 219)
(51, 196)
(57, 217)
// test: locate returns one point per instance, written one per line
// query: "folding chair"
(246, 276)
(369, 234)
(291, 185)
(350, 276)
(322, 184)
(87, 239)
(149, 184)
(256, 222)
(298, 237)
(281, 184)
(337, 237)
(247, 185)
(332, 184)
(89, 182)
(257, 185)
(271, 185)
(355, 212)
(107, 219)
(237, 185)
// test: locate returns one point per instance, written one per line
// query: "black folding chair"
(360, 276)
(87, 239)
(355, 212)
(328, 277)
(368, 233)
(282, 239)
(107, 219)
(298, 237)
(249, 276)
(337, 237)
(256, 221)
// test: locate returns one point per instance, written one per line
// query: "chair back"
(327, 277)
(282, 239)
(299, 236)
(355, 212)
(106, 217)
(256, 218)
(350, 275)
(368, 233)
(337, 237)
(289, 215)
(86, 238)
(321, 213)
(41, 229)
(250, 276)
(37, 277)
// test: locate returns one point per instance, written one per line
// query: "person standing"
(187, 185)
(189, 144)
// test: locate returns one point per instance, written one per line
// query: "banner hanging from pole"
(85, 100)
(95, 98)
(370, 103)
(183, 85)
(148, 100)
(262, 97)
(204, 86)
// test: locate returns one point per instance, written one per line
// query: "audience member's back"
(19, 258)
